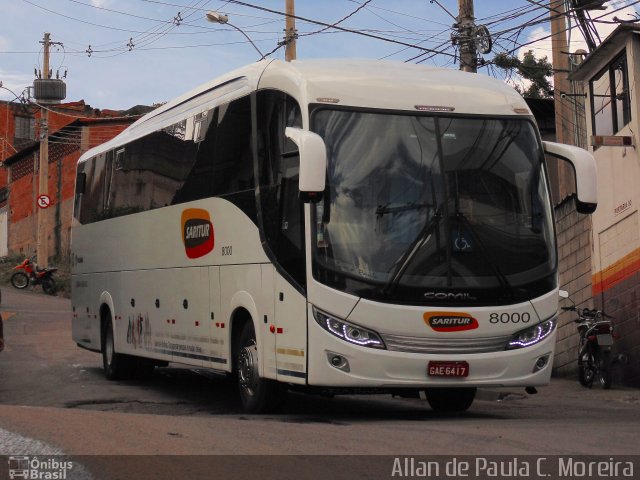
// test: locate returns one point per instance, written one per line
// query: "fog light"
(338, 361)
(541, 363)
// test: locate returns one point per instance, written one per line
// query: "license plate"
(448, 369)
(605, 340)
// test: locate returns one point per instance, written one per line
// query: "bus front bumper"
(334, 362)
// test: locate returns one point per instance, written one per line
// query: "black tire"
(604, 369)
(586, 367)
(115, 365)
(257, 395)
(450, 400)
(49, 286)
(20, 280)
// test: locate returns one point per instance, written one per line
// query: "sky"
(122, 53)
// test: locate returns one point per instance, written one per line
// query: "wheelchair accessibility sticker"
(462, 241)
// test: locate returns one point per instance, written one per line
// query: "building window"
(25, 130)
(610, 103)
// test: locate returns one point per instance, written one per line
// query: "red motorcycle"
(29, 273)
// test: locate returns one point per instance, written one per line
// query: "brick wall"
(574, 257)
(65, 148)
(617, 292)
(622, 302)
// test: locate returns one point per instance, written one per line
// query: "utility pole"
(560, 56)
(563, 108)
(466, 38)
(46, 91)
(42, 244)
(290, 32)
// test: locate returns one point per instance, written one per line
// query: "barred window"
(25, 129)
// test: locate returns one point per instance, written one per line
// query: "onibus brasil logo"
(36, 468)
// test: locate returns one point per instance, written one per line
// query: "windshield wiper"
(404, 261)
(385, 209)
(501, 277)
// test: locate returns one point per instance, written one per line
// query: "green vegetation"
(535, 71)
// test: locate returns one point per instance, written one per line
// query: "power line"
(635, 2)
(316, 22)
(363, 5)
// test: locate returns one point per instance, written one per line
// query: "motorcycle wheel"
(19, 280)
(49, 286)
(586, 368)
(604, 367)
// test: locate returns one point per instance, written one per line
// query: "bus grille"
(457, 346)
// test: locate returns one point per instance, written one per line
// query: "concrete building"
(610, 239)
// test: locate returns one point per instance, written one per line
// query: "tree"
(534, 71)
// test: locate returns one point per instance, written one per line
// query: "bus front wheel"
(258, 395)
(450, 400)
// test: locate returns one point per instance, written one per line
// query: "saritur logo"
(450, 321)
(197, 232)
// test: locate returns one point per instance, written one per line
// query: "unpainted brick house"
(74, 128)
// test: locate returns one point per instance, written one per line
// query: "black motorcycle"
(594, 353)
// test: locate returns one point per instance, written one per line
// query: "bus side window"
(232, 158)
(81, 182)
(92, 205)
(279, 164)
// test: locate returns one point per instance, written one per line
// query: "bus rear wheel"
(115, 365)
(258, 395)
(450, 400)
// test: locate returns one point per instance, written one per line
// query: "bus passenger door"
(291, 333)
(216, 350)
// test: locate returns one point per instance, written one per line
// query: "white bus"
(329, 226)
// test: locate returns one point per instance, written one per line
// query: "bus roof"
(357, 83)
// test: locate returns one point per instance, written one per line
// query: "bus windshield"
(433, 209)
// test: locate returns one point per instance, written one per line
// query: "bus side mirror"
(313, 162)
(584, 166)
(81, 180)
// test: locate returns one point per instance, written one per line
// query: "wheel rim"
(248, 369)
(20, 280)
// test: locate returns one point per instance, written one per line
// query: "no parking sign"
(44, 201)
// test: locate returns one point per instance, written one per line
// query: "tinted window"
(203, 156)
(278, 162)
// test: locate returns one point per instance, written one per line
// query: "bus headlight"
(532, 335)
(348, 331)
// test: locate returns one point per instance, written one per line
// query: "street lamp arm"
(249, 39)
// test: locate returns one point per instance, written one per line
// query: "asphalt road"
(54, 399)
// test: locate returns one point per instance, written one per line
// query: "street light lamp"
(221, 18)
